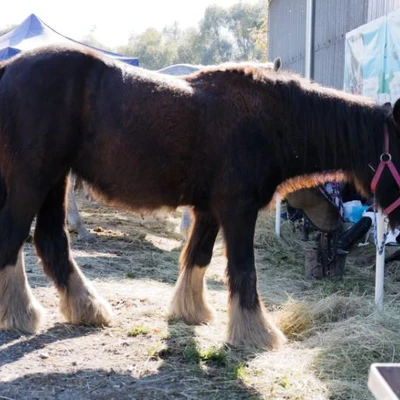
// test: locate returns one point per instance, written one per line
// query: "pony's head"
(388, 184)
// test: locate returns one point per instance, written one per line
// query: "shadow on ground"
(184, 372)
(21, 348)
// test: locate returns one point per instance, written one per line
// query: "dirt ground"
(134, 264)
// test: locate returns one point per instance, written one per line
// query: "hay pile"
(335, 319)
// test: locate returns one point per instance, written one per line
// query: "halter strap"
(386, 161)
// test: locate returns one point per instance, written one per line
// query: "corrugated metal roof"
(333, 18)
(287, 23)
(377, 8)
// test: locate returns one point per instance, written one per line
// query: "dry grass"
(301, 319)
(334, 329)
(349, 347)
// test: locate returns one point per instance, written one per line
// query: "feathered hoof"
(18, 307)
(24, 315)
(80, 303)
(188, 303)
(191, 314)
(252, 328)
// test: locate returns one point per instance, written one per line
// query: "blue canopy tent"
(33, 33)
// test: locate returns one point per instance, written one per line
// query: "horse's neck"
(347, 142)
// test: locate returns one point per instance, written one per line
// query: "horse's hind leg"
(18, 307)
(189, 302)
(248, 323)
(79, 301)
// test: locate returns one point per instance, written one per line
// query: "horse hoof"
(268, 339)
(189, 301)
(86, 237)
(95, 311)
(80, 303)
(27, 319)
(252, 328)
(196, 316)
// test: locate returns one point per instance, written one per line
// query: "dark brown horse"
(221, 139)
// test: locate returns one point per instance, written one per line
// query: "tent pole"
(380, 259)
(309, 50)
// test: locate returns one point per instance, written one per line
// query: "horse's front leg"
(189, 302)
(248, 321)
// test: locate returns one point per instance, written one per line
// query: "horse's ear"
(388, 106)
(396, 112)
(388, 109)
(277, 64)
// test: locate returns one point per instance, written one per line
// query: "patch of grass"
(130, 275)
(236, 371)
(283, 381)
(215, 355)
(157, 351)
(191, 352)
(165, 336)
(139, 330)
(212, 355)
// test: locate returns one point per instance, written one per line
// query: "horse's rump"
(113, 125)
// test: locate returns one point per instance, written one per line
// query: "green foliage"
(228, 33)
(153, 48)
(90, 39)
(260, 38)
(237, 33)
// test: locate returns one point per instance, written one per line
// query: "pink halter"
(386, 160)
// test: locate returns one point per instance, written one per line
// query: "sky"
(114, 21)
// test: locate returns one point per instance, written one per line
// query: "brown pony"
(221, 140)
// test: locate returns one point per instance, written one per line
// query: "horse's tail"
(3, 189)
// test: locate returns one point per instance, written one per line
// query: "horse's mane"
(345, 129)
(334, 126)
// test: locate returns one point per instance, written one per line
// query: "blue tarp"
(364, 60)
(33, 33)
(372, 59)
